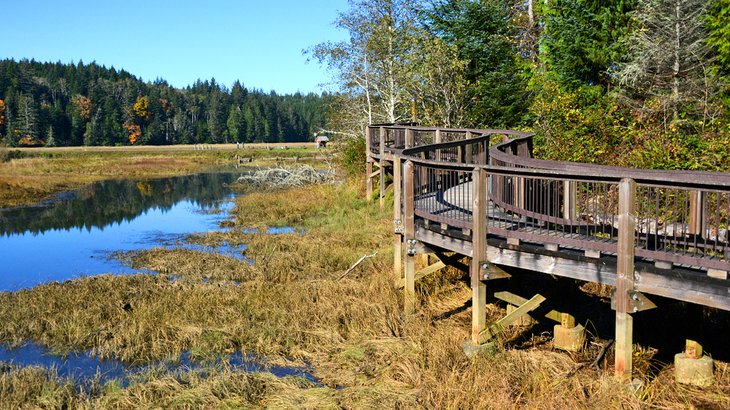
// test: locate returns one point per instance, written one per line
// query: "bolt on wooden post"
(625, 277)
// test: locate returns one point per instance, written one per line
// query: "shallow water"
(83, 367)
(75, 235)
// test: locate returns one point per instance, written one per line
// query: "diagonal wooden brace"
(496, 328)
(422, 273)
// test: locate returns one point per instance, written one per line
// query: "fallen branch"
(602, 353)
(594, 363)
(359, 261)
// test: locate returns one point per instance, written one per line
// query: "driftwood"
(287, 177)
(359, 261)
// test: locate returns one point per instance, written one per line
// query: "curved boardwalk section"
(480, 193)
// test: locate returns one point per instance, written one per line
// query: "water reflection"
(72, 238)
(103, 203)
(83, 367)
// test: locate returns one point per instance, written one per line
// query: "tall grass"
(292, 306)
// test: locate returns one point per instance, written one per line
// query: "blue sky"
(258, 42)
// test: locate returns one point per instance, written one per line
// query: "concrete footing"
(697, 372)
(570, 339)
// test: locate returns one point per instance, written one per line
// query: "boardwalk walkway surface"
(480, 194)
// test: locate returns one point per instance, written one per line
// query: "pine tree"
(669, 57)
(583, 39)
(25, 129)
(482, 33)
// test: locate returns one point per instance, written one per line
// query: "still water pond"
(74, 236)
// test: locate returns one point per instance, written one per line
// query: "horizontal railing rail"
(682, 217)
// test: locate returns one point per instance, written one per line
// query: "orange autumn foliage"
(134, 130)
(84, 105)
(2, 112)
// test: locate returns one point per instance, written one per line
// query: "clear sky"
(258, 42)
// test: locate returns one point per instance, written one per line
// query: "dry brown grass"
(44, 172)
(290, 305)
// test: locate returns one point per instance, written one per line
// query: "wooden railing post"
(368, 165)
(483, 153)
(479, 254)
(570, 200)
(410, 138)
(625, 277)
(697, 225)
(468, 158)
(437, 140)
(409, 237)
(382, 167)
(397, 218)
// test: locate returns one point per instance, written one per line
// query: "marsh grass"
(27, 177)
(291, 307)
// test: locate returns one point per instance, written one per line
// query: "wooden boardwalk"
(480, 194)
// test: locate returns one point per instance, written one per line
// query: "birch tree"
(373, 65)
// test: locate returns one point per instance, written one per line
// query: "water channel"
(76, 234)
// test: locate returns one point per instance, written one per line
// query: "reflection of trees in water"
(107, 202)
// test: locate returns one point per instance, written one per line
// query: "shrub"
(353, 157)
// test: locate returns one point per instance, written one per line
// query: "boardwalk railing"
(480, 193)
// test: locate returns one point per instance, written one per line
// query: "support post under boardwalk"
(397, 218)
(382, 168)
(625, 277)
(368, 165)
(410, 238)
(479, 254)
(369, 176)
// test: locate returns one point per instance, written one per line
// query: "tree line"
(627, 82)
(55, 104)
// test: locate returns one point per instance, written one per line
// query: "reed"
(292, 306)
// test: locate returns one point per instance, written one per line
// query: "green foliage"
(584, 39)
(353, 157)
(718, 24)
(482, 33)
(640, 83)
(582, 125)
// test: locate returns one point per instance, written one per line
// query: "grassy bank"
(31, 175)
(293, 305)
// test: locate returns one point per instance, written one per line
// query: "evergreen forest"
(55, 104)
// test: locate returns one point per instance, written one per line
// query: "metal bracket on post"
(398, 226)
(490, 271)
(638, 302)
(484, 270)
(411, 246)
